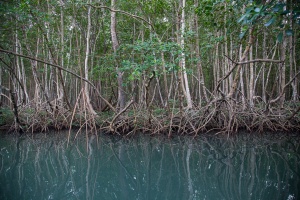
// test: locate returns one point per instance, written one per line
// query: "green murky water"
(207, 167)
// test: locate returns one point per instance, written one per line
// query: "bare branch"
(123, 12)
(258, 60)
(115, 117)
(60, 67)
(241, 63)
(283, 90)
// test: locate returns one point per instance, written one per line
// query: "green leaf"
(242, 18)
(280, 37)
(271, 21)
(289, 32)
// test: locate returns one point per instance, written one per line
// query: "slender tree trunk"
(22, 96)
(226, 63)
(23, 76)
(199, 64)
(282, 70)
(216, 64)
(251, 80)
(60, 90)
(115, 44)
(263, 92)
(241, 72)
(53, 89)
(291, 62)
(183, 67)
(86, 67)
(294, 66)
(17, 70)
(230, 79)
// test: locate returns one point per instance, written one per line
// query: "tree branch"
(60, 67)
(258, 60)
(283, 90)
(241, 63)
(123, 12)
(115, 117)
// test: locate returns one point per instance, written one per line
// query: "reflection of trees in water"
(246, 167)
(251, 167)
(43, 170)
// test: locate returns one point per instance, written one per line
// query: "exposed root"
(221, 116)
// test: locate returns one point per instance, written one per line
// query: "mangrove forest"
(152, 66)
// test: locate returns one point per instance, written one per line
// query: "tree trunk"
(115, 44)
(291, 62)
(294, 66)
(263, 92)
(242, 81)
(60, 90)
(216, 63)
(86, 67)
(199, 65)
(183, 67)
(242, 58)
(251, 81)
(282, 70)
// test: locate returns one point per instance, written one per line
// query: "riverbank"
(219, 116)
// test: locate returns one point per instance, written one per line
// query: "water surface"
(46, 166)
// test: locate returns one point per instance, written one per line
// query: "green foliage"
(144, 57)
(104, 68)
(155, 6)
(213, 12)
(272, 13)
